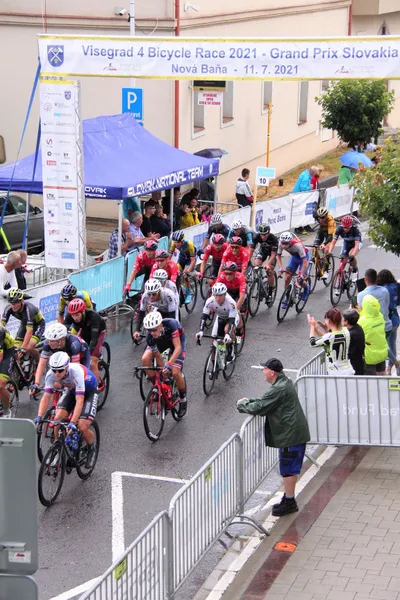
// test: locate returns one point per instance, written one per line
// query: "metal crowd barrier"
(104, 282)
(315, 366)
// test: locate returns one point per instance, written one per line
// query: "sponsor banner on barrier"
(276, 213)
(104, 282)
(339, 200)
(302, 208)
(221, 59)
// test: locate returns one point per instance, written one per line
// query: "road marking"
(80, 589)
(263, 493)
(155, 477)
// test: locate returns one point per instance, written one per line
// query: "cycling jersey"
(222, 229)
(336, 345)
(6, 340)
(238, 283)
(183, 255)
(267, 246)
(77, 377)
(328, 225)
(226, 311)
(89, 329)
(295, 248)
(76, 349)
(29, 315)
(171, 269)
(171, 330)
(246, 235)
(215, 253)
(82, 294)
(353, 235)
(166, 302)
(171, 286)
(143, 262)
(241, 259)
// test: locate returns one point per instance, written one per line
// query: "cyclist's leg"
(94, 361)
(292, 266)
(269, 269)
(38, 333)
(87, 416)
(147, 361)
(4, 378)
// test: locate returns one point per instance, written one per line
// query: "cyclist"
(162, 276)
(235, 253)
(352, 243)
(236, 285)
(185, 254)
(143, 264)
(163, 262)
(325, 233)
(216, 250)
(162, 335)
(246, 234)
(32, 324)
(90, 326)
(298, 258)
(216, 226)
(155, 297)
(224, 306)
(7, 346)
(68, 293)
(57, 339)
(266, 244)
(80, 400)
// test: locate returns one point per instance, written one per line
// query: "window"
(303, 102)
(2, 151)
(227, 103)
(266, 95)
(198, 114)
(9, 208)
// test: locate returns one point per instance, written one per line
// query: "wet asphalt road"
(75, 534)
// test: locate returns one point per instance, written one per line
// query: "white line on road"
(80, 589)
(155, 477)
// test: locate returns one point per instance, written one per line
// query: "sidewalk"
(343, 544)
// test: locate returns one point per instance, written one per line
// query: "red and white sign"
(210, 98)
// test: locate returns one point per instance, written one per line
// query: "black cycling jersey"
(89, 328)
(29, 315)
(353, 235)
(172, 329)
(267, 246)
(222, 229)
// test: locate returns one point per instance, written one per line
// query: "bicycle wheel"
(204, 285)
(153, 415)
(175, 396)
(300, 304)
(312, 274)
(51, 474)
(254, 297)
(285, 299)
(351, 287)
(45, 433)
(240, 340)
(271, 299)
(81, 469)
(106, 353)
(329, 269)
(13, 397)
(336, 288)
(189, 306)
(244, 311)
(209, 373)
(230, 367)
(104, 384)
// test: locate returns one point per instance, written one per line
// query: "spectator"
(20, 271)
(189, 217)
(130, 205)
(315, 178)
(205, 212)
(193, 194)
(357, 340)
(335, 340)
(380, 293)
(135, 228)
(303, 183)
(146, 226)
(387, 280)
(160, 223)
(126, 240)
(285, 428)
(244, 196)
(207, 189)
(346, 174)
(376, 348)
(156, 197)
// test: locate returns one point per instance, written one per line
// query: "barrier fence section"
(141, 573)
(315, 366)
(163, 244)
(354, 410)
(104, 282)
(203, 509)
(339, 200)
(287, 212)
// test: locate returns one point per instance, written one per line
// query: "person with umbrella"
(350, 165)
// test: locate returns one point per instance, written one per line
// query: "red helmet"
(236, 240)
(218, 238)
(76, 305)
(150, 245)
(230, 266)
(162, 254)
(347, 221)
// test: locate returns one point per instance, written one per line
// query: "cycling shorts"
(347, 246)
(218, 330)
(291, 460)
(5, 364)
(67, 402)
(97, 349)
(321, 237)
(215, 265)
(85, 358)
(38, 332)
(295, 262)
(263, 255)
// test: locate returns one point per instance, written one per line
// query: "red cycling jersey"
(241, 259)
(171, 268)
(238, 282)
(143, 262)
(217, 254)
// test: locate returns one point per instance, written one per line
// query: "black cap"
(274, 364)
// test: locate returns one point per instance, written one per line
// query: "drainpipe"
(176, 82)
(350, 32)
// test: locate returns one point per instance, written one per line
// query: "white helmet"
(218, 289)
(152, 320)
(59, 361)
(237, 224)
(216, 219)
(286, 237)
(152, 285)
(160, 274)
(56, 332)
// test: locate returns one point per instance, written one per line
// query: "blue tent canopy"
(121, 159)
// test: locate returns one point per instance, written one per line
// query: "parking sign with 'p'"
(132, 102)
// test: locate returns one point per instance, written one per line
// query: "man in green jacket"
(286, 428)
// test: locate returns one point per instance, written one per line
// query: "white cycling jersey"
(166, 302)
(296, 248)
(226, 310)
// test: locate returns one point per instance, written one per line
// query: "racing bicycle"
(217, 362)
(342, 282)
(292, 296)
(259, 290)
(320, 263)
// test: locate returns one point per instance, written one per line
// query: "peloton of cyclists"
(245, 233)
(155, 297)
(216, 226)
(237, 254)
(68, 293)
(216, 250)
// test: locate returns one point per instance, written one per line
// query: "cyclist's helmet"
(230, 266)
(56, 332)
(15, 295)
(59, 361)
(150, 245)
(237, 224)
(216, 219)
(219, 288)
(322, 213)
(178, 236)
(162, 254)
(160, 274)
(347, 221)
(264, 228)
(68, 292)
(286, 237)
(236, 240)
(76, 305)
(218, 238)
(152, 286)
(152, 319)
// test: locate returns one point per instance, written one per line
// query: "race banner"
(277, 213)
(221, 59)
(339, 200)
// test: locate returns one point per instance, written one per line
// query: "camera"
(120, 12)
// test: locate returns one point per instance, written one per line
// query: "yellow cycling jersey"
(6, 340)
(329, 225)
(81, 294)
(187, 249)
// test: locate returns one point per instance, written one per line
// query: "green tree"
(378, 193)
(356, 109)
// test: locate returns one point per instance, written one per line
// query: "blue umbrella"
(353, 158)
